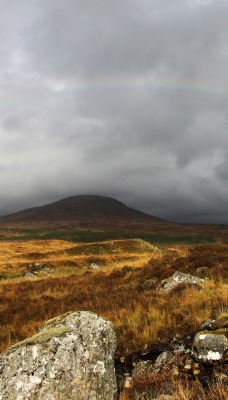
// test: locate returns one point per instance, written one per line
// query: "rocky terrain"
(72, 357)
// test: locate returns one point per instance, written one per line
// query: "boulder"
(180, 278)
(72, 357)
(211, 346)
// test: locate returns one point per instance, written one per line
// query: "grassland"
(43, 274)
(43, 278)
(42, 258)
(23, 234)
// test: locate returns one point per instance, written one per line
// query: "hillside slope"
(84, 211)
(100, 213)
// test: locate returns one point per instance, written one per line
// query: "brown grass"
(148, 386)
(63, 257)
(144, 317)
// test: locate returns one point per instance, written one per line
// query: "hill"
(83, 211)
(100, 213)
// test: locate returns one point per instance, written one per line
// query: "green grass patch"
(99, 236)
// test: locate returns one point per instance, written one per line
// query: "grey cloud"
(221, 171)
(124, 98)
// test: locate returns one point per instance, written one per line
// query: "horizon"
(112, 198)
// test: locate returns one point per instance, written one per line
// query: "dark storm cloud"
(124, 98)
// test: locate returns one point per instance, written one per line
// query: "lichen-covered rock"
(143, 367)
(163, 359)
(211, 346)
(180, 278)
(72, 357)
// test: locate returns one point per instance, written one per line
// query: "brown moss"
(43, 337)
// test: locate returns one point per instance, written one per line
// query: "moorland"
(94, 253)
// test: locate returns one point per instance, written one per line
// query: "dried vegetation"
(149, 386)
(124, 290)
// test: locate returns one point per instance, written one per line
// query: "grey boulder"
(211, 346)
(180, 278)
(72, 357)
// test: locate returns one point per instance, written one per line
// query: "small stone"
(94, 266)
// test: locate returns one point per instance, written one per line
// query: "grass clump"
(148, 386)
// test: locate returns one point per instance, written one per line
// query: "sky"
(121, 98)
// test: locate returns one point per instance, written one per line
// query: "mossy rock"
(43, 336)
(210, 347)
(72, 357)
(215, 332)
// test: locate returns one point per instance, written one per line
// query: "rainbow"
(139, 83)
(63, 88)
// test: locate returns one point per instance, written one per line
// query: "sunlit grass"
(144, 317)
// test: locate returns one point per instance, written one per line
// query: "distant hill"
(84, 211)
(100, 213)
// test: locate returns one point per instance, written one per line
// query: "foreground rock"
(211, 346)
(71, 358)
(180, 278)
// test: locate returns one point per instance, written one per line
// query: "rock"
(143, 367)
(72, 357)
(207, 324)
(94, 266)
(30, 275)
(211, 346)
(163, 359)
(180, 278)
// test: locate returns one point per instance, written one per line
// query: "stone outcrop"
(70, 358)
(180, 278)
(211, 346)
